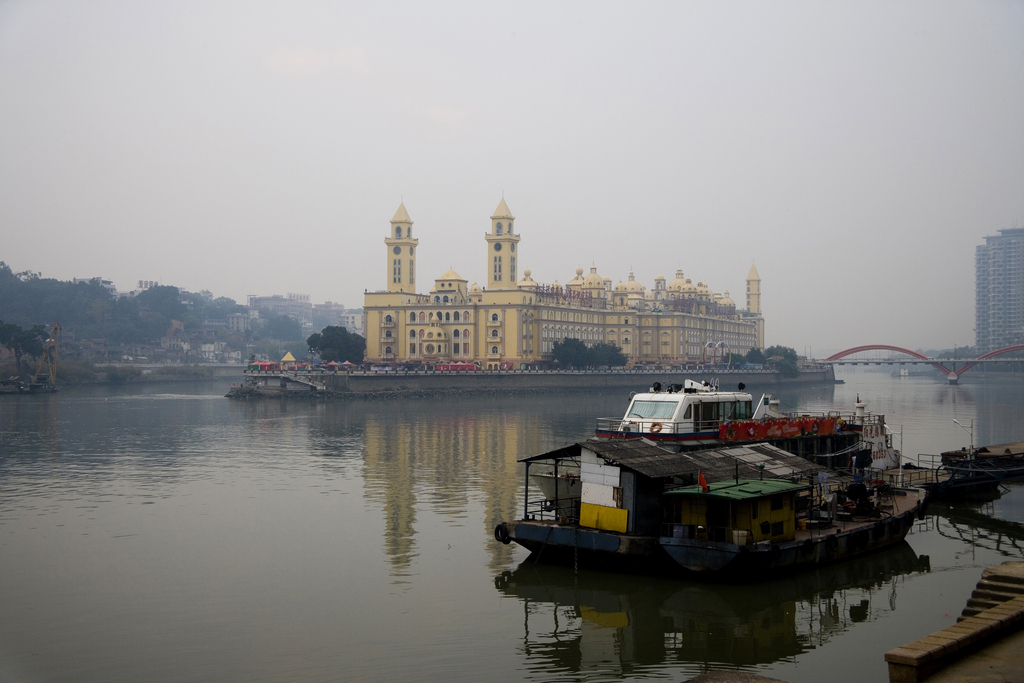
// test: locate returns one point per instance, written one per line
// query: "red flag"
(702, 482)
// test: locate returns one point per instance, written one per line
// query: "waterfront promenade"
(278, 383)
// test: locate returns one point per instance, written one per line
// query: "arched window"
(412, 334)
(422, 316)
(421, 334)
(456, 316)
(387, 334)
(497, 230)
(494, 317)
(494, 333)
(388, 318)
(398, 232)
(465, 316)
(437, 299)
(494, 349)
(447, 317)
(387, 350)
(455, 334)
(465, 334)
(412, 317)
(445, 298)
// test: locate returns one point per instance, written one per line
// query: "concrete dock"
(986, 644)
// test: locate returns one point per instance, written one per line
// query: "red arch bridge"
(947, 366)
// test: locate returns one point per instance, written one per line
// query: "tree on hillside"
(337, 344)
(162, 300)
(283, 328)
(21, 341)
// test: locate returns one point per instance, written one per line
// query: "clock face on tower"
(397, 250)
(497, 246)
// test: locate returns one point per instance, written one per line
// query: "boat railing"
(564, 509)
(639, 426)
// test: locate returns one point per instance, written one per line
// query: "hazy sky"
(856, 152)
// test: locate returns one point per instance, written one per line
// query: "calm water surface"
(165, 533)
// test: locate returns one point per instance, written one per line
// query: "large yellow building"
(515, 322)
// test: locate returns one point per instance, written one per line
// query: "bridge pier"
(953, 378)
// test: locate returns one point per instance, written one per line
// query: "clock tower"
(502, 243)
(401, 253)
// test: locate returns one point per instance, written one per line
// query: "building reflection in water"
(619, 623)
(448, 461)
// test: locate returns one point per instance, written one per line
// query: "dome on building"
(703, 290)
(556, 285)
(475, 289)
(688, 288)
(632, 285)
(593, 280)
(451, 275)
(621, 287)
(679, 283)
(726, 301)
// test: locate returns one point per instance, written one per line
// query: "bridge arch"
(990, 354)
(887, 347)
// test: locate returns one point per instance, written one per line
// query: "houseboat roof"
(744, 489)
(754, 461)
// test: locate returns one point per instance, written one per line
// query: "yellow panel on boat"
(601, 517)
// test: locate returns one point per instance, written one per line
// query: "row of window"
(429, 316)
(456, 334)
(430, 349)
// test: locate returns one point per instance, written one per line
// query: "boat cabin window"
(744, 410)
(689, 412)
(658, 410)
(725, 410)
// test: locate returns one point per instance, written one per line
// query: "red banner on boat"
(753, 430)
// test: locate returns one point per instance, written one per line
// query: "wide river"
(165, 533)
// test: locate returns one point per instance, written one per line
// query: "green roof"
(745, 489)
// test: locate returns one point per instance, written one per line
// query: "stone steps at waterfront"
(994, 613)
(997, 585)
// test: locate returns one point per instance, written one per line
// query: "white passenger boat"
(696, 415)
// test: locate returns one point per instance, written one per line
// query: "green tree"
(784, 360)
(607, 354)
(22, 342)
(755, 356)
(337, 344)
(571, 353)
(283, 328)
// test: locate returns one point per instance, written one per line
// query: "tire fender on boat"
(832, 544)
(501, 534)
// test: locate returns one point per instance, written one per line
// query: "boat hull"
(726, 560)
(710, 560)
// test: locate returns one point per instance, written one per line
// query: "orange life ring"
(655, 428)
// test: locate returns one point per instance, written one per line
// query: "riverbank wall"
(325, 385)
